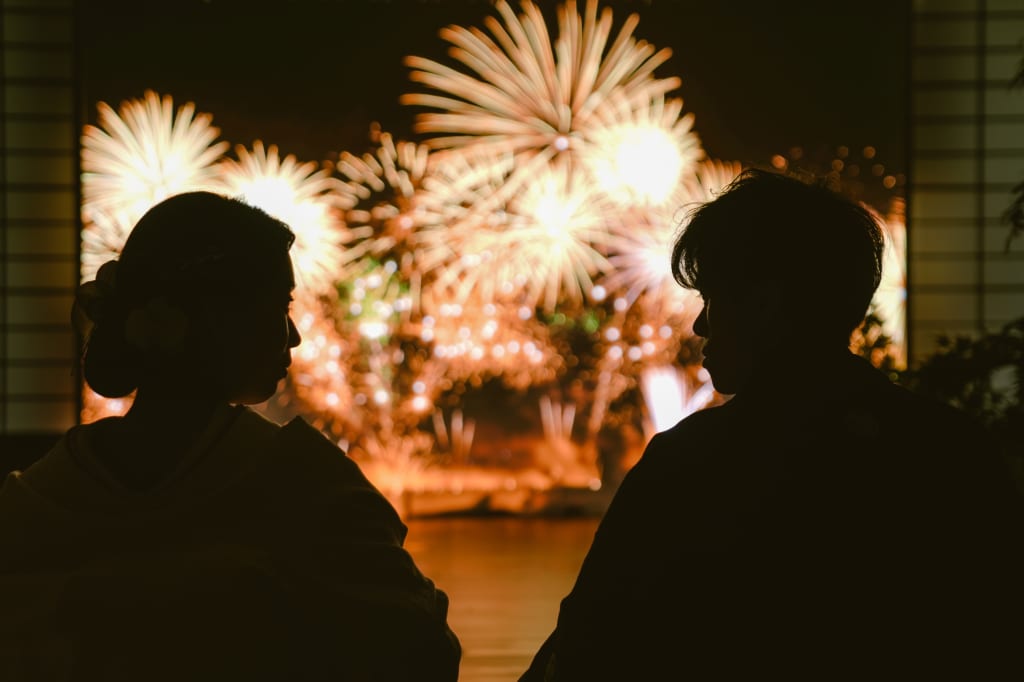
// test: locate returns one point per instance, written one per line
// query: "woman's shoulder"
(315, 459)
(56, 471)
(307, 446)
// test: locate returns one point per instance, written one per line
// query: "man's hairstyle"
(822, 248)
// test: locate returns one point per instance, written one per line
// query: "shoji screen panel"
(967, 153)
(39, 208)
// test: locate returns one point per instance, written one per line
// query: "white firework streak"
(298, 194)
(641, 264)
(145, 153)
(563, 224)
(544, 247)
(459, 183)
(103, 236)
(640, 154)
(378, 194)
(643, 240)
(453, 234)
(529, 97)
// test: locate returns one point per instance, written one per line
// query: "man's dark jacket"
(824, 524)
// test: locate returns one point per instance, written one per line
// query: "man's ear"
(766, 303)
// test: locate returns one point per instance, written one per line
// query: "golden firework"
(523, 94)
(144, 153)
(302, 196)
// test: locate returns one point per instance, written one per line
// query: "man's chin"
(721, 383)
(256, 397)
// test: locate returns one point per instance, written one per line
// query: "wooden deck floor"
(505, 578)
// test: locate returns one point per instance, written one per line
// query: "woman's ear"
(159, 327)
(216, 331)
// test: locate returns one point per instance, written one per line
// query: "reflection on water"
(505, 578)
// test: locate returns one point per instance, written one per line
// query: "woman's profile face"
(254, 335)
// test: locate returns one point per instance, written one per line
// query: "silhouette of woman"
(193, 538)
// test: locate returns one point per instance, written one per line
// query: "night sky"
(312, 75)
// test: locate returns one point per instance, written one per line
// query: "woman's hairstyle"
(185, 250)
(822, 248)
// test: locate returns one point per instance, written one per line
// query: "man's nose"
(294, 338)
(700, 325)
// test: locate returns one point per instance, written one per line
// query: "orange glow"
(519, 252)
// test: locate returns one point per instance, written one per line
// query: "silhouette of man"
(824, 523)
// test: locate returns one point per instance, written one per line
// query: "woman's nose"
(294, 338)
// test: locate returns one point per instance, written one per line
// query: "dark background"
(312, 75)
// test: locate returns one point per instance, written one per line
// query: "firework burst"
(103, 236)
(378, 196)
(643, 240)
(541, 248)
(449, 211)
(640, 263)
(530, 97)
(560, 229)
(640, 155)
(303, 197)
(144, 153)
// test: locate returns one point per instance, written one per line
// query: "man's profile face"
(729, 323)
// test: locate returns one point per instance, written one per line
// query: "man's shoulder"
(867, 388)
(692, 439)
(702, 422)
(929, 419)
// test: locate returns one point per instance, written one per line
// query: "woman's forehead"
(279, 273)
(270, 279)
